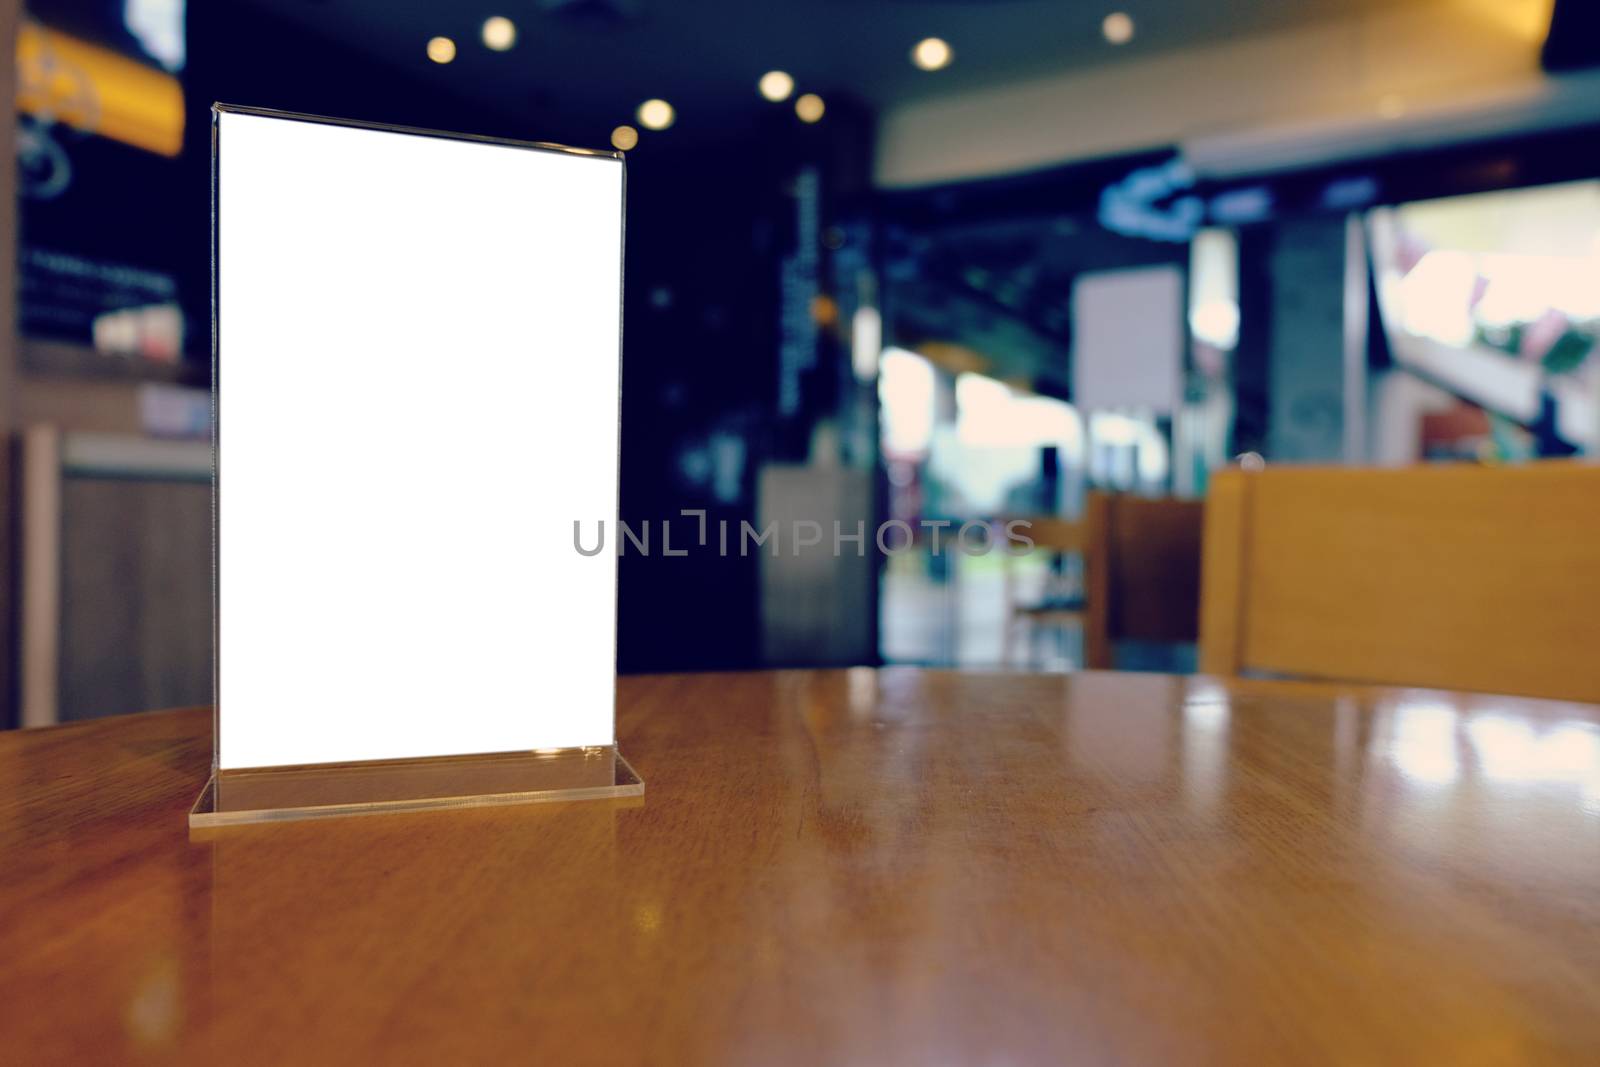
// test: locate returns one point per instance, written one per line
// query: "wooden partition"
(1460, 577)
(116, 583)
(10, 16)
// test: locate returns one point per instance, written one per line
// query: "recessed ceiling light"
(499, 33)
(931, 53)
(624, 138)
(1118, 27)
(656, 114)
(776, 85)
(441, 49)
(809, 107)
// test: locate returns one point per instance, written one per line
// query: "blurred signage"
(64, 79)
(1128, 339)
(1153, 202)
(102, 198)
(122, 309)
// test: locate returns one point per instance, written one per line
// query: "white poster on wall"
(1127, 339)
(418, 374)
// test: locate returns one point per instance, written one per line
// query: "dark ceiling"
(591, 62)
(994, 278)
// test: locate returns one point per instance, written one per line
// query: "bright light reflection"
(1511, 750)
(998, 434)
(866, 342)
(1205, 751)
(1436, 297)
(1210, 717)
(441, 49)
(810, 108)
(862, 686)
(499, 33)
(1111, 428)
(1424, 746)
(989, 414)
(656, 114)
(1216, 322)
(158, 27)
(1518, 288)
(1117, 27)
(1214, 287)
(906, 389)
(776, 85)
(1203, 691)
(931, 53)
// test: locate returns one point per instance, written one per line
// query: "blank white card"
(417, 395)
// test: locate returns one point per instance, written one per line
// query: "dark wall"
(708, 233)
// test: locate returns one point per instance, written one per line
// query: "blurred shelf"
(65, 359)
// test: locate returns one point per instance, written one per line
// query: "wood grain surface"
(847, 867)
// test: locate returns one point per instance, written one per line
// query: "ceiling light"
(499, 33)
(656, 114)
(624, 137)
(931, 53)
(1117, 27)
(441, 49)
(809, 107)
(776, 85)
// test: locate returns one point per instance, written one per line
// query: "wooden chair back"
(1143, 572)
(1053, 534)
(1445, 576)
(1054, 537)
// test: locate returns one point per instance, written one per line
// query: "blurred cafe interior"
(1276, 322)
(933, 262)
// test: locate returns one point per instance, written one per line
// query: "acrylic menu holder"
(416, 374)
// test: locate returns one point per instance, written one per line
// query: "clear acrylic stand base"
(276, 794)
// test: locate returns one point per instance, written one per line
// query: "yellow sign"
(98, 90)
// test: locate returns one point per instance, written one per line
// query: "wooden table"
(848, 867)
